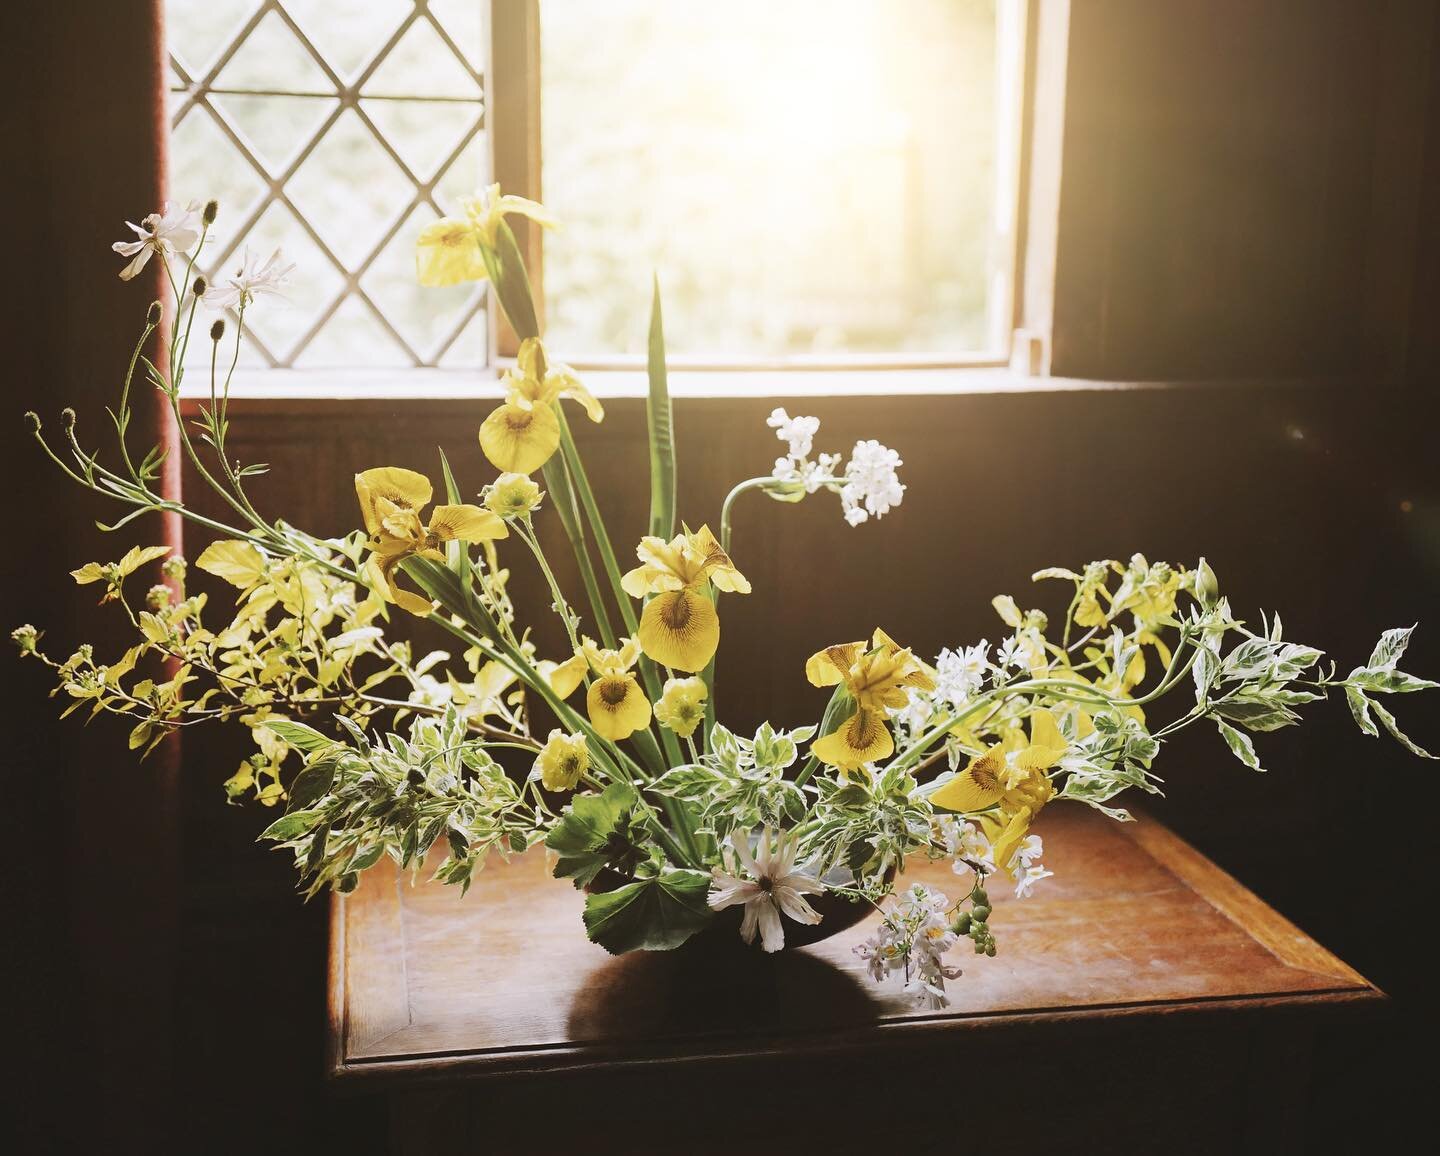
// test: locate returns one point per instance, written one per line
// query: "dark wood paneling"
(1223, 202)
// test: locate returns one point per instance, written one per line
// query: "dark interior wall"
(90, 839)
(1241, 188)
(1221, 196)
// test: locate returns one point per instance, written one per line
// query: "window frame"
(514, 73)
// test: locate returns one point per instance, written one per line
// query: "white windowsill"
(316, 386)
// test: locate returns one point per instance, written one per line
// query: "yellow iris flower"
(615, 703)
(878, 678)
(1016, 788)
(680, 627)
(448, 251)
(520, 434)
(391, 502)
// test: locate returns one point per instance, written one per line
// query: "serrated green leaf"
(311, 784)
(581, 839)
(1360, 708)
(650, 915)
(1391, 647)
(291, 826)
(1240, 745)
(1394, 728)
(298, 735)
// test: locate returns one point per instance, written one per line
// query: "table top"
(425, 984)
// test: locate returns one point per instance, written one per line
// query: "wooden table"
(1142, 1000)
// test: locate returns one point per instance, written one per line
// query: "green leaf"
(311, 784)
(1360, 708)
(1240, 745)
(1390, 648)
(291, 826)
(1394, 728)
(1388, 681)
(687, 782)
(512, 284)
(582, 839)
(661, 425)
(650, 915)
(298, 735)
(1255, 713)
(457, 553)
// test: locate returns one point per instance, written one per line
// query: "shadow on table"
(717, 989)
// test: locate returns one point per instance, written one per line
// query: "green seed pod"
(980, 912)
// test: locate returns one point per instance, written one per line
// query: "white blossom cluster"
(966, 844)
(868, 485)
(912, 940)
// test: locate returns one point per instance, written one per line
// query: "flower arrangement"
(610, 753)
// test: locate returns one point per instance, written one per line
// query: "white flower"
(913, 939)
(430, 691)
(1012, 652)
(871, 484)
(882, 952)
(965, 843)
(1027, 868)
(253, 278)
(799, 432)
(172, 230)
(772, 886)
(812, 475)
(960, 673)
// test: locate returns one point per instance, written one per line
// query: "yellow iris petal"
(447, 252)
(1004, 846)
(680, 629)
(975, 788)
(564, 677)
(829, 667)
(566, 384)
(861, 738)
(382, 491)
(518, 440)
(381, 572)
(617, 706)
(466, 524)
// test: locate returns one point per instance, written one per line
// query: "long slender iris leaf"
(661, 427)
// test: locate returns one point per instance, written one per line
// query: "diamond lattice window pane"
(198, 30)
(312, 287)
(277, 137)
(470, 171)
(425, 317)
(347, 33)
(424, 132)
(205, 165)
(275, 128)
(353, 336)
(350, 189)
(422, 64)
(272, 58)
(464, 23)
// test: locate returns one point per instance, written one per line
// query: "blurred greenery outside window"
(814, 181)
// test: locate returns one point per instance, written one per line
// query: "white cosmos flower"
(799, 432)
(172, 230)
(770, 885)
(253, 278)
(872, 486)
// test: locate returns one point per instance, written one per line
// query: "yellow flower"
(520, 434)
(878, 678)
(448, 251)
(616, 704)
(1018, 788)
(391, 501)
(682, 706)
(512, 495)
(680, 627)
(564, 677)
(563, 761)
(993, 779)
